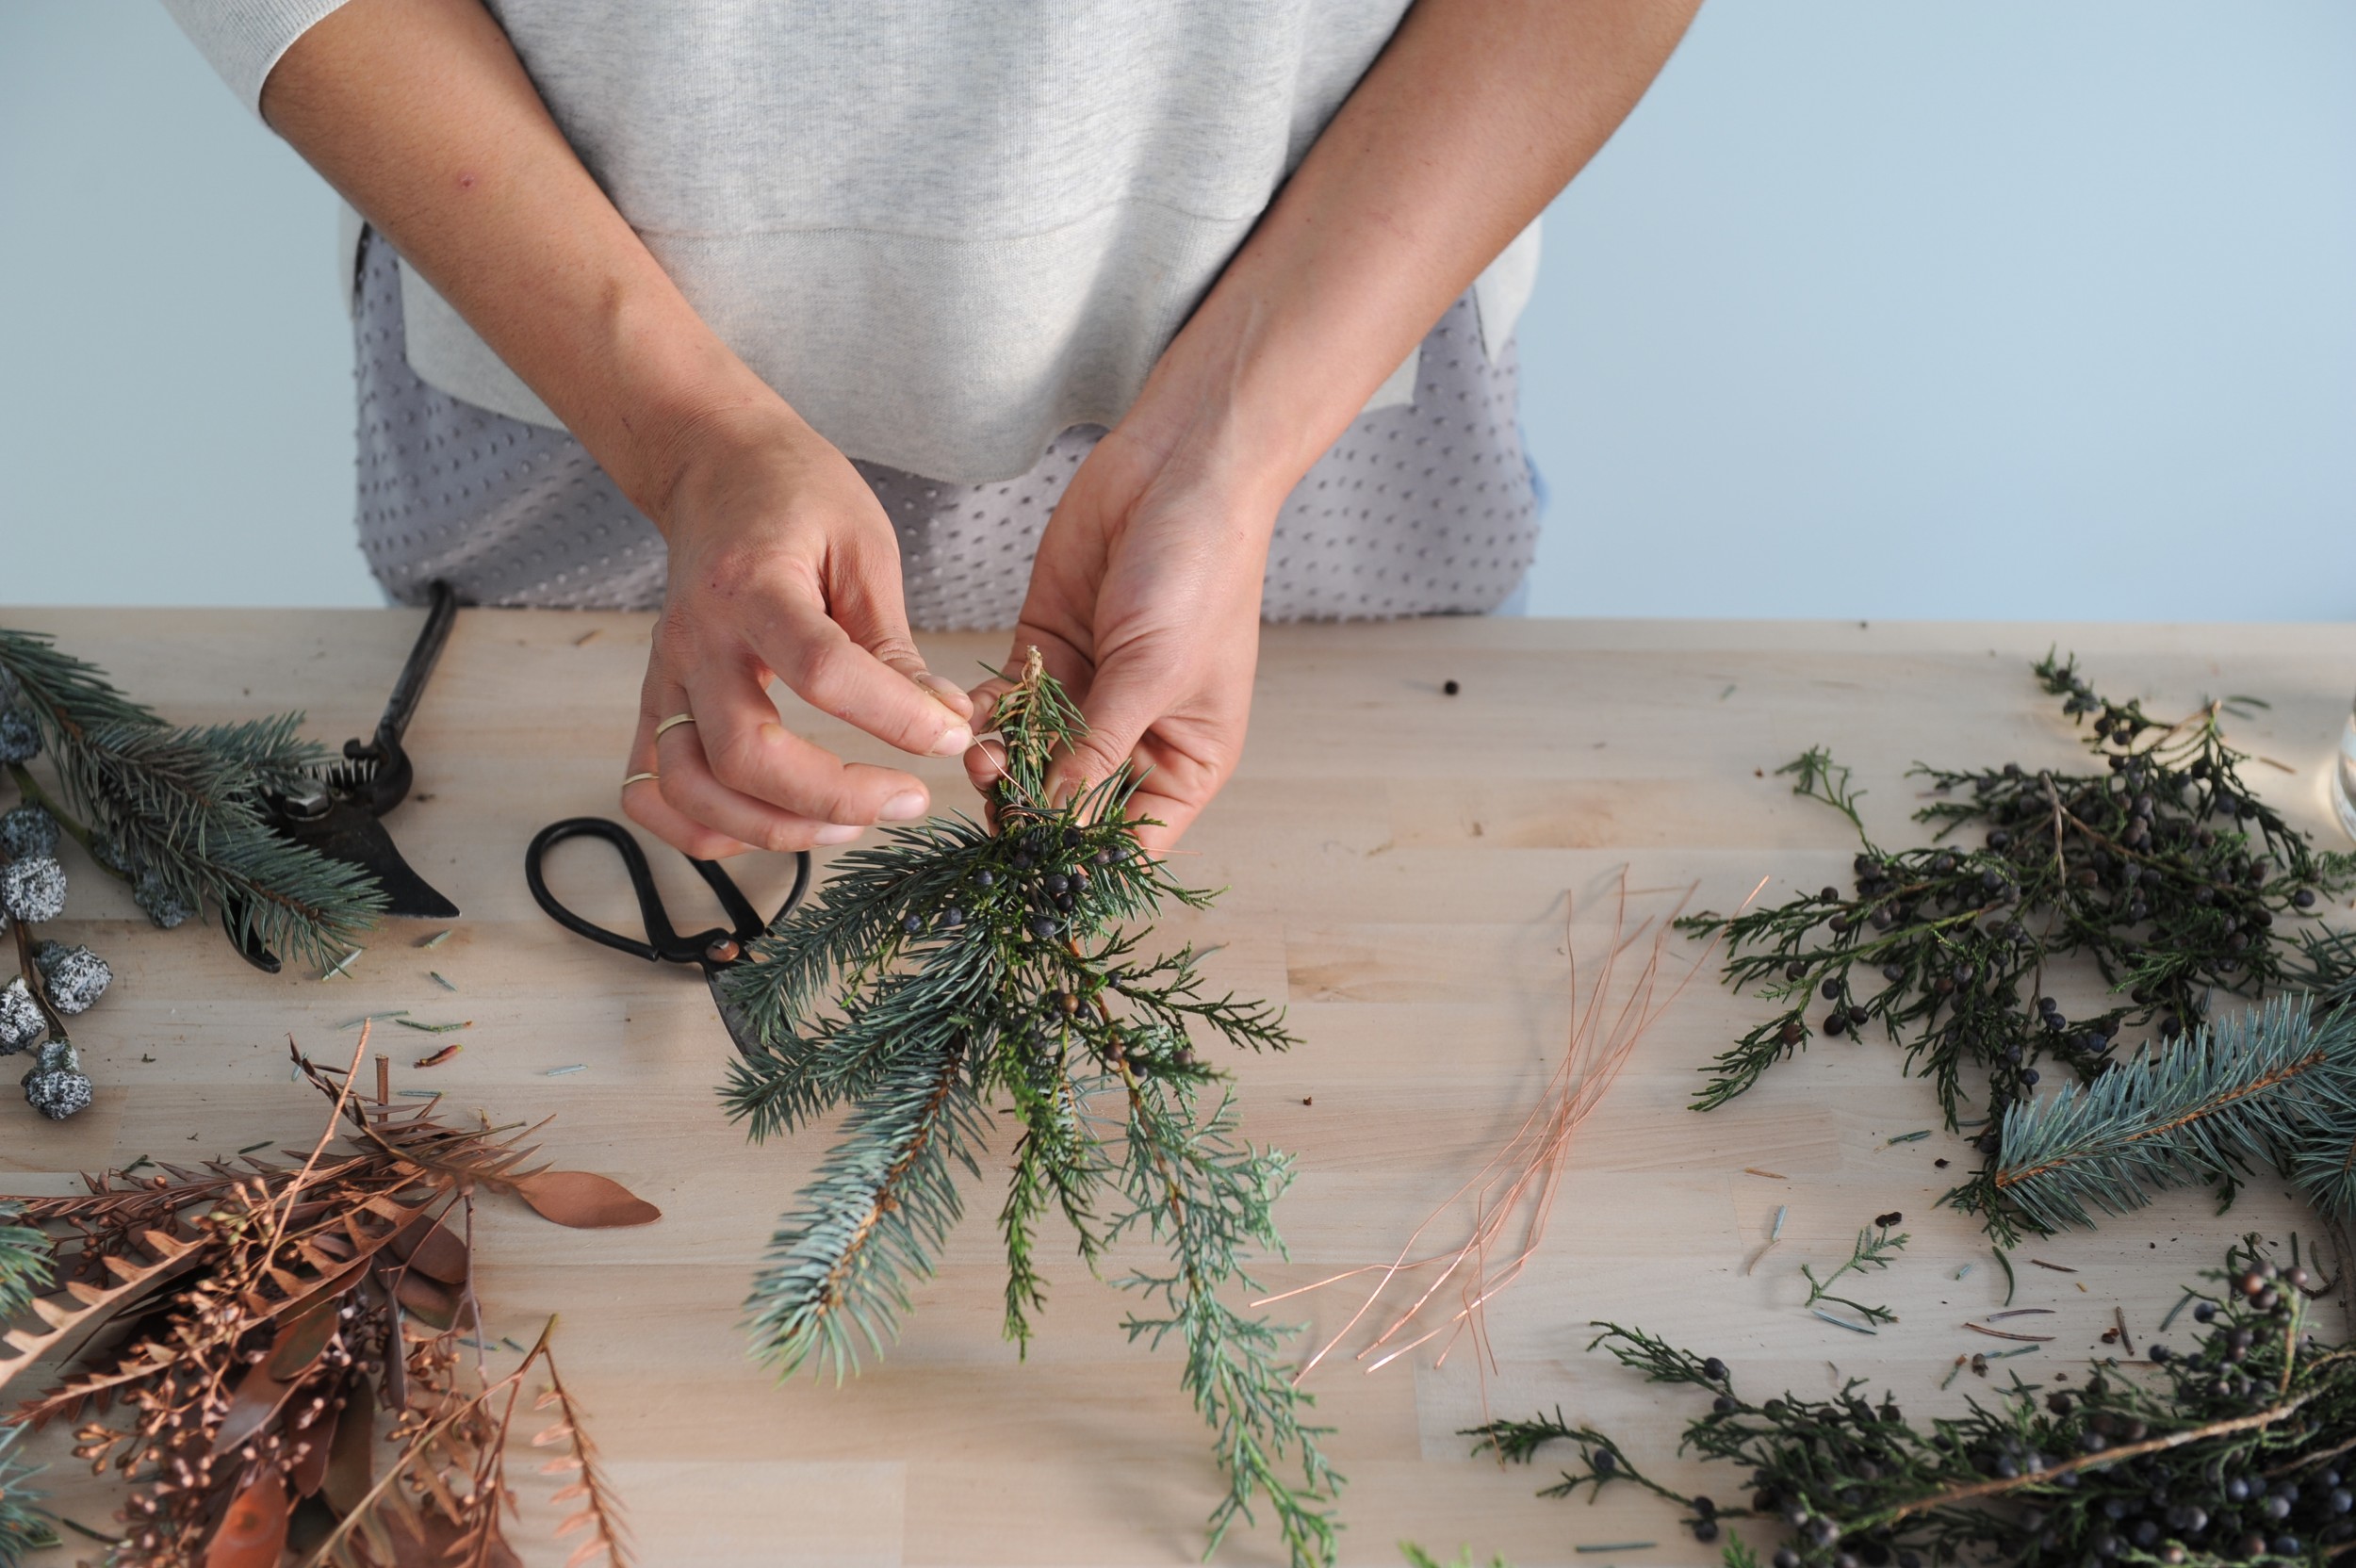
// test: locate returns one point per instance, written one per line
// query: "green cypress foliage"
(179, 810)
(955, 966)
(26, 1263)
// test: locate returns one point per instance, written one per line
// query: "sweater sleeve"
(243, 39)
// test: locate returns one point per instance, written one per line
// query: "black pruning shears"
(340, 813)
(715, 951)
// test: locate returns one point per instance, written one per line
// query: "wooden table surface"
(1398, 863)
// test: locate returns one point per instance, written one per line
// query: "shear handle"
(711, 949)
(389, 785)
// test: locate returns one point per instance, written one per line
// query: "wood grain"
(1399, 865)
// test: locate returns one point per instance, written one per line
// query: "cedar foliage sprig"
(2271, 1087)
(2162, 871)
(26, 1263)
(2236, 1452)
(180, 808)
(955, 966)
(1873, 1249)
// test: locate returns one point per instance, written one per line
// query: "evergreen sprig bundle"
(177, 811)
(2270, 1087)
(2237, 1452)
(955, 966)
(25, 1526)
(2161, 871)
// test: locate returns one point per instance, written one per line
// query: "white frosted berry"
(21, 1023)
(76, 976)
(162, 902)
(19, 737)
(27, 830)
(58, 1093)
(33, 889)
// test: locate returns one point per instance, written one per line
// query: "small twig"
(2125, 1339)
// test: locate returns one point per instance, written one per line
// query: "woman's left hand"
(1145, 602)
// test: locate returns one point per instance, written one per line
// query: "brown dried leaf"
(62, 1328)
(351, 1465)
(301, 1340)
(557, 1433)
(256, 1399)
(429, 1301)
(431, 1246)
(253, 1533)
(310, 1471)
(583, 1200)
(586, 1550)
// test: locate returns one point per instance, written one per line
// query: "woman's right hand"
(783, 565)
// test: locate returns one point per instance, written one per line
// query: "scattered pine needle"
(419, 1094)
(2185, 1300)
(433, 1028)
(436, 975)
(429, 943)
(341, 968)
(1909, 1137)
(1771, 1175)
(2020, 1312)
(1999, 1334)
(252, 1147)
(2054, 1266)
(559, 1072)
(371, 1018)
(1843, 1323)
(1619, 1547)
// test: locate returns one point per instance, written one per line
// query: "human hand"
(1145, 602)
(783, 565)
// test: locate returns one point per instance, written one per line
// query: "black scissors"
(715, 951)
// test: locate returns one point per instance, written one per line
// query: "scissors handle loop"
(712, 951)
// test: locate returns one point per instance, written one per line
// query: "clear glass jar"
(2344, 777)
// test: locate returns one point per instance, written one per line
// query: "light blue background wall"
(1986, 308)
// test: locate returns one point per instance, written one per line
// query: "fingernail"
(904, 806)
(836, 833)
(954, 741)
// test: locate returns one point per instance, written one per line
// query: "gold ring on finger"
(639, 778)
(673, 723)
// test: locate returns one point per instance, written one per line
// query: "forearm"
(1473, 119)
(420, 112)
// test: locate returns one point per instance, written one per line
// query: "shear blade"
(350, 833)
(740, 1032)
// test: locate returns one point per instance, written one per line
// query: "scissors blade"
(741, 1032)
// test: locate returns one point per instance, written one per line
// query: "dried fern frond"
(272, 1306)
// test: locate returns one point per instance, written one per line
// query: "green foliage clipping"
(2161, 871)
(954, 967)
(25, 1524)
(182, 806)
(2241, 1449)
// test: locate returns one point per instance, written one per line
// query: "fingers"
(740, 751)
(687, 807)
(869, 606)
(878, 683)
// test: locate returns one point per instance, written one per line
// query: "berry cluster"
(2236, 1451)
(55, 982)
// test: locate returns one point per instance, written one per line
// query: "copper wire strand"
(1533, 1155)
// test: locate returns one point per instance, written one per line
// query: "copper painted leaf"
(351, 1462)
(435, 1249)
(585, 1201)
(300, 1339)
(318, 1440)
(257, 1399)
(429, 1301)
(253, 1533)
